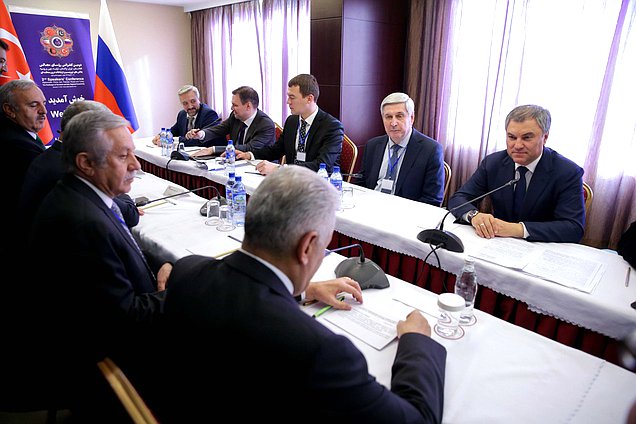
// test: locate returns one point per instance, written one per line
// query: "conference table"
(387, 226)
(497, 372)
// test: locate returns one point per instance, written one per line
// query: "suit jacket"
(553, 209)
(324, 142)
(261, 133)
(273, 355)
(21, 149)
(627, 245)
(90, 275)
(42, 175)
(206, 117)
(421, 174)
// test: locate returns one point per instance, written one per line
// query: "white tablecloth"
(393, 223)
(496, 373)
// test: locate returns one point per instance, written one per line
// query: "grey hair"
(187, 88)
(7, 91)
(86, 133)
(79, 107)
(525, 112)
(286, 205)
(395, 98)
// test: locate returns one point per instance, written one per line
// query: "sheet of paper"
(370, 326)
(508, 252)
(218, 248)
(570, 271)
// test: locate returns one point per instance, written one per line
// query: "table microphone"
(144, 201)
(366, 272)
(446, 239)
(356, 175)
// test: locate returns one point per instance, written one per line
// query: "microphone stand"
(446, 239)
(145, 202)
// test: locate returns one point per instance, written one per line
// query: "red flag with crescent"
(17, 65)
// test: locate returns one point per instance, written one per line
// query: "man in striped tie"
(103, 281)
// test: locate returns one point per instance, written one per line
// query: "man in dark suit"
(545, 205)
(286, 364)
(310, 135)
(92, 274)
(411, 165)
(194, 115)
(46, 169)
(249, 127)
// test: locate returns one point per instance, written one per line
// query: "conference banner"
(57, 46)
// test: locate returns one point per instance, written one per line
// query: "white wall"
(155, 47)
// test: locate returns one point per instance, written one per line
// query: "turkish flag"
(18, 68)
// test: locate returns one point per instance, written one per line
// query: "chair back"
(279, 130)
(588, 194)
(126, 392)
(348, 157)
(448, 173)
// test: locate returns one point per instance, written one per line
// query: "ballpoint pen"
(326, 308)
(629, 270)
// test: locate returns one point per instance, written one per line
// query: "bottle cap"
(238, 178)
(336, 168)
(451, 302)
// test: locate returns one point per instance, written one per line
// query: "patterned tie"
(520, 192)
(190, 122)
(120, 218)
(241, 133)
(303, 136)
(391, 168)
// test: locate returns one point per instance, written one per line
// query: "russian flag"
(111, 87)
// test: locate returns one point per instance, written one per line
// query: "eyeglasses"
(3, 64)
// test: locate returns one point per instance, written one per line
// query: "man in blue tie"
(546, 203)
(404, 162)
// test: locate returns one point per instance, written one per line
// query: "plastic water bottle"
(229, 189)
(239, 202)
(466, 287)
(336, 180)
(169, 142)
(230, 157)
(322, 171)
(162, 141)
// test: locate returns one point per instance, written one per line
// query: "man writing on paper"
(234, 324)
(545, 205)
(310, 135)
(404, 162)
(194, 115)
(249, 127)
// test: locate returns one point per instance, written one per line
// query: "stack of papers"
(544, 261)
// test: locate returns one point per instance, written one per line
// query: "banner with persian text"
(57, 46)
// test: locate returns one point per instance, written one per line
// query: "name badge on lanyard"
(301, 156)
(387, 186)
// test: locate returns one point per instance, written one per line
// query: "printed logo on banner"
(56, 41)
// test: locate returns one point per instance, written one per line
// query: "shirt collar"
(283, 278)
(532, 165)
(249, 120)
(107, 200)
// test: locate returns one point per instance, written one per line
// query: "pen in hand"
(326, 308)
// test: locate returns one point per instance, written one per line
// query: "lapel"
(91, 196)
(376, 160)
(311, 134)
(540, 180)
(507, 173)
(412, 152)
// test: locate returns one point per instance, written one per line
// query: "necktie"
(241, 133)
(39, 140)
(520, 192)
(120, 218)
(394, 156)
(302, 137)
(190, 122)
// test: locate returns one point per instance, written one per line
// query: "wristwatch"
(471, 214)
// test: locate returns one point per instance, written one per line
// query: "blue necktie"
(391, 168)
(241, 134)
(520, 192)
(115, 209)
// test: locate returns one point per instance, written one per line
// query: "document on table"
(368, 324)
(548, 263)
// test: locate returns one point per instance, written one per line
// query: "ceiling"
(189, 5)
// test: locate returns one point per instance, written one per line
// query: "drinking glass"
(212, 212)
(225, 216)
